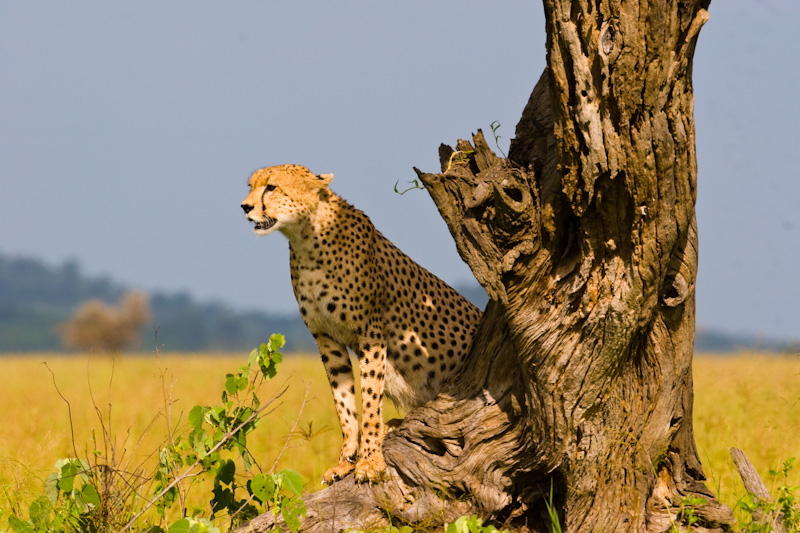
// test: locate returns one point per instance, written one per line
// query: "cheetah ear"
(325, 179)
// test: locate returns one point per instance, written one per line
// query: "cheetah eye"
(269, 188)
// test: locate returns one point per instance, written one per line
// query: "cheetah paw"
(370, 469)
(337, 472)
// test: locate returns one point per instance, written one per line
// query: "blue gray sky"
(128, 131)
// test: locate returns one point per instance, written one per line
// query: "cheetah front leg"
(340, 375)
(372, 360)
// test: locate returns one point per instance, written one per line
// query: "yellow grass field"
(748, 401)
(751, 402)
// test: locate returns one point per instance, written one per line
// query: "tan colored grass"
(747, 401)
(751, 402)
(136, 390)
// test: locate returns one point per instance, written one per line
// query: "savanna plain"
(57, 406)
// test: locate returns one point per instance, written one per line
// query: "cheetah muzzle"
(359, 294)
(264, 224)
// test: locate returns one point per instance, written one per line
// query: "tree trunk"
(578, 388)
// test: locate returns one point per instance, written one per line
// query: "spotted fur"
(357, 291)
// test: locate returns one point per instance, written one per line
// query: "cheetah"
(408, 329)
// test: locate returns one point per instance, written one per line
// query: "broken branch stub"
(490, 208)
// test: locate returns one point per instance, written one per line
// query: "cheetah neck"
(318, 230)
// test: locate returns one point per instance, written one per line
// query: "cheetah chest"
(322, 307)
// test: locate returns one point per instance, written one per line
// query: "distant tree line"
(35, 298)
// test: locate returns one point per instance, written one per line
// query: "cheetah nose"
(247, 208)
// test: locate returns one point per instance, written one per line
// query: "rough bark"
(754, 485)
(578, 386)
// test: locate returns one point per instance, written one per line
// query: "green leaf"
(204, 525)
(248, 464)
(39, 511)
(196, 416)
(292, 481)
(262, 487)
(216, 415)
(226, 472)
(291, 509)
(67, 478)
(231, 384)
(459, 526)
(277, 357)
(89, 495)
(276, 342)
(83, 469)
(181, 526)
(51, 488)
(190, 525)
(19, 525)
(269, 370)
(241, 440)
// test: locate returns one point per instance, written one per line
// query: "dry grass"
(747, 401)
(136, 390)
(751, 402)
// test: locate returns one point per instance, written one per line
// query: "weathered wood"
(755, 486)
(490, 208)
(343, 506)
(752, 481)
(585, 239)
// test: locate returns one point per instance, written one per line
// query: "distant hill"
(36, 297)
(713, 341)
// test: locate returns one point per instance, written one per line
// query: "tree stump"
(578, 387)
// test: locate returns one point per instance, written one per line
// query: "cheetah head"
(283, 197)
